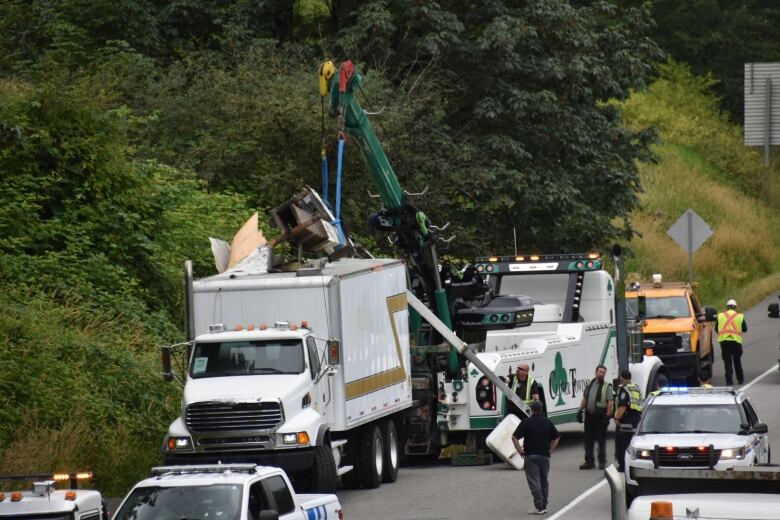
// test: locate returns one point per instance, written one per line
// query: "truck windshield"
(222, 501)
(663, 307)
(691, 419)
(236, 358)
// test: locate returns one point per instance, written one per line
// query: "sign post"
(690, 231)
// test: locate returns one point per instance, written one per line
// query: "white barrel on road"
(500, 441)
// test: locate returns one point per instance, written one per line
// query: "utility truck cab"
(44, 501)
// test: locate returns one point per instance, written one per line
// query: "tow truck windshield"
(691, 419)
(237, 358)
(222, 501)
(667, 307)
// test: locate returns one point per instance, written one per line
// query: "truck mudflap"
(319, 507)
(292, 461)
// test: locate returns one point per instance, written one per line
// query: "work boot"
(587, 465)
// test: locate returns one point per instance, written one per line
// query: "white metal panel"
(377, 379)
(598, 297)
(756, 75)
(260, 303)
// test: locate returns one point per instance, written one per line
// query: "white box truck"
(306, 370)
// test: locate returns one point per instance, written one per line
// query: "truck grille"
(697, 457)
(665, 343)
(224, 417)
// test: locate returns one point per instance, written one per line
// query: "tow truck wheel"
(391, 454)
(370, 457)
(323, 479)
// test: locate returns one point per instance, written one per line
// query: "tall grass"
(79, 390)
(702, 164)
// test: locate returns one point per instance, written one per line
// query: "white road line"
(585, 494)
(769, 370)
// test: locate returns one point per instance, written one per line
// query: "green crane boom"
(410, 225)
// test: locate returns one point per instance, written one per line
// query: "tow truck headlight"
(637, 453)
(732, 454)
(179, 443)
(685, 341)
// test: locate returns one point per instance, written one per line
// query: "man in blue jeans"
(540, 438)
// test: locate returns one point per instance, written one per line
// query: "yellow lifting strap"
(327, 70)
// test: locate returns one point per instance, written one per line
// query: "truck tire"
(323, 478)
(370, 457)
(392, 457)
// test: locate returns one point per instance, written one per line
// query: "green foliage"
(702, 164)
(680, 105)
(66, 365)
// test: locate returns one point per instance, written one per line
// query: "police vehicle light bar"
(203, 468)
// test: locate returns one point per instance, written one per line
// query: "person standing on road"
(629, 410)
(540, 438)
(704, 379)
(596, 405)
(524, 386)
(730, 327)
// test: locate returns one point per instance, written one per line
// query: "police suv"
(223, 492)
(697, 428)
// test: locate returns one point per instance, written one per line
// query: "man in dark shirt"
(540, 438)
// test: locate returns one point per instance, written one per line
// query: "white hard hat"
(731, 303)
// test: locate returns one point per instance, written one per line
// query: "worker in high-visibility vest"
(524, 386)
(730, 327)
(629, 410)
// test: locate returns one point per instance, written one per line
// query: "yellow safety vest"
(730, 326)
(707, 385)
(530, 382)
(635, 395)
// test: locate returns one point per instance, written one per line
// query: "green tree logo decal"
(558, 381)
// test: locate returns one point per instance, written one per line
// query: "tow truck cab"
(680, 328)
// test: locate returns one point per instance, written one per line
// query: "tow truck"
(44, 500)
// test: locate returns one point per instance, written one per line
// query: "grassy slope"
(702, 164)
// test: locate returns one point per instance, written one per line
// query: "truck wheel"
(323, 479)
(370, 457)
(391, 454)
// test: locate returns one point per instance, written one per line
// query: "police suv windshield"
(719, 418)
(238, 358)
(220, 501)
(663, 307)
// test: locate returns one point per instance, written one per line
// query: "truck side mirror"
(166, 364)
(760, 428)
(710, 314)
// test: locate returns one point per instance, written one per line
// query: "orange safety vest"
(730, 326)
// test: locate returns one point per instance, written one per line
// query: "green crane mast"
(411, 228)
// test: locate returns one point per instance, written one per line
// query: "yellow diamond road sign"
(690, 231)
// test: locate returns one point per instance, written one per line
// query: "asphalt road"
(440, 491)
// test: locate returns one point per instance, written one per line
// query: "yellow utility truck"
(680, 328)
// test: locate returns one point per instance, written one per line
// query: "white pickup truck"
(224, 492)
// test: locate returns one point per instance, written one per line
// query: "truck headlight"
(685, 341)
(637, 453)
(179, 444)
(301, 438)
(732, 454)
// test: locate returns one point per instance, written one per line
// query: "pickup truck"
(44, 500)
(224, 492)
